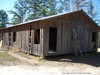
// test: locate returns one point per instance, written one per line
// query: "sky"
(8, 5)
(97, 5)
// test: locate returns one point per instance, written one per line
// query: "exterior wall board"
(66, 44)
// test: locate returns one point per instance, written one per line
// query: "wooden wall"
(37, 49)
(23, 39)
(66, 44)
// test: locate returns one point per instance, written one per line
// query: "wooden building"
(55, 35)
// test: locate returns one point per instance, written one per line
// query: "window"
(52, 38)
(37, 36)
(14, 36)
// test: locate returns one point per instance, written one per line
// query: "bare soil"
(55, 65)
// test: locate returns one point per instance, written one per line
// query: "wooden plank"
(59, 37)
(27, 40)
(23, 41)
(41, 42)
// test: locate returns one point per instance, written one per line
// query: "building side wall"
(73, 34)
(66, 44)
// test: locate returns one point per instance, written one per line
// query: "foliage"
(91, 9)
(52, 7)
(93, 14)
(26, 10)
(20, 12)
(79, 4)
(3, 19)
(40, 8)
(32, 9)
(65, 6)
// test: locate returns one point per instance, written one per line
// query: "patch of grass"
(6, 59)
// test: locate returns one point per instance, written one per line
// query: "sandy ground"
(28, 70)
(61, 65)
(43, 70)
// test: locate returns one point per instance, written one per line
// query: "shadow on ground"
(89, 58)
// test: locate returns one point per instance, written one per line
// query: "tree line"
(26, 10)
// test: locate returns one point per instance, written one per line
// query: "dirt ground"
(58, 65)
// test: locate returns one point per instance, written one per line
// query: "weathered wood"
(66, 44)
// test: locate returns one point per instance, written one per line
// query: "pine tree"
(40, 8)
(3, 19)
(34, 7)
(91, 9)
(20, 12)
(52, 7)
(79, 4)
(92, 13)
(65, 6)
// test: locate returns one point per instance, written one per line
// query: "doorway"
(14, 36)
(52, 39)
(94, 40)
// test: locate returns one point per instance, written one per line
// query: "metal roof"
(53, 16)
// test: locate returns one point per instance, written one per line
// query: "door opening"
(52, 39)
(14, 36)
(93, 36)
(37, 36)
(94, 39)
